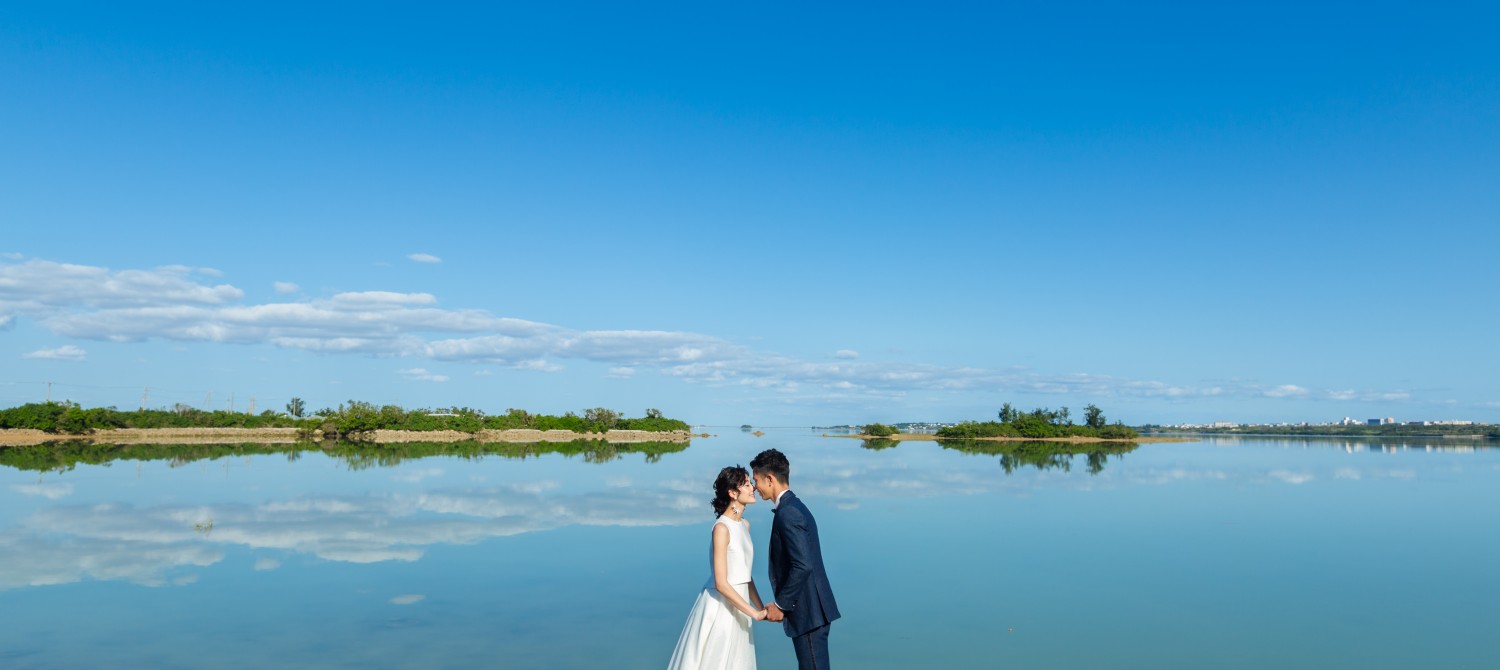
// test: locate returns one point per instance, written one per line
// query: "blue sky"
(775, 214)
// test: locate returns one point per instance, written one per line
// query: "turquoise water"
(1239, 553)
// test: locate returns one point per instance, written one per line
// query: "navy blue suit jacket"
(797, 575)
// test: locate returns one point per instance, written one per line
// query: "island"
(40, 423)
(1014, 425)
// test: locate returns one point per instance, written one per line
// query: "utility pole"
(231, 402)
(252, 404)
(145, 397)
(49, 392)
(208, 402)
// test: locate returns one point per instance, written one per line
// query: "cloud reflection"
(48, 491)
(165, 544)
(145, 545)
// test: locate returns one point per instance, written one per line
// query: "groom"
(804, 600)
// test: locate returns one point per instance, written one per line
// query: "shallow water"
(1225, 553)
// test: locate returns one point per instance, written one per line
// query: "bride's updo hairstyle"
(729, 479)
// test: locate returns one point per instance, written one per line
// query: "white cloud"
(286, 287)
(38, 286)
(11, 255)
(165, 303)
(408, 599)
(66, 352)
(622, 372)
(538, 365)
(263, 564)
(1347, 394)
(211, 272)
(424, 258)
(422, 375)
(383, 298)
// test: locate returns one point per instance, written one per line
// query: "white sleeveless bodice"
(741, 553)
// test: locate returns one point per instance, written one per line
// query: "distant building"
(1372, 422)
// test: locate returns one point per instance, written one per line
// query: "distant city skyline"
(1181, 214)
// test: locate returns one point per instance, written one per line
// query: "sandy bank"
(23, 437)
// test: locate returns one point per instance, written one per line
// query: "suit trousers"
(812, 648)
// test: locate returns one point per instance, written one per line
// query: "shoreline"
(25, 437)
(1072, 439)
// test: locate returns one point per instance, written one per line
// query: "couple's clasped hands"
(771, 613)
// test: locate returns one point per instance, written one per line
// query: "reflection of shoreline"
(1042, 454)
(929, 437)
(57, 457)
(1359, 443)
(28, 437)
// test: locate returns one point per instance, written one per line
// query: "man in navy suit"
(804, 600)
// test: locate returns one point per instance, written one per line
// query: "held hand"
(774, 613)
(760, 615)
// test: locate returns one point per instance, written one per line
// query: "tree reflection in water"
(1040, 454)
(64, 456)
(1043, 455)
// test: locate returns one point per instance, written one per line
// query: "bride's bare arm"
(721, 575)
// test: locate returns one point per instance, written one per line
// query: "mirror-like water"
(1225, 553)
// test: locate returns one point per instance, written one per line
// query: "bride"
(717, 635)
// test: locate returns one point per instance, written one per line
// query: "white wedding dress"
(717, 636)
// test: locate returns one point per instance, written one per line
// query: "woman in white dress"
(717, 635)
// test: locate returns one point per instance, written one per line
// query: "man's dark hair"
(772, 462)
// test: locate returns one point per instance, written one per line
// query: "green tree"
(1093, 417)
(878, 430)
(1008, 414)
(603, 418)
(653, 413)
(295, 407)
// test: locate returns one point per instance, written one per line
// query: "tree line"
(348, 419)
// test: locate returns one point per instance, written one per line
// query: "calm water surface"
(1225, 553)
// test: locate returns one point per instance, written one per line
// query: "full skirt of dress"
(716, 636)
